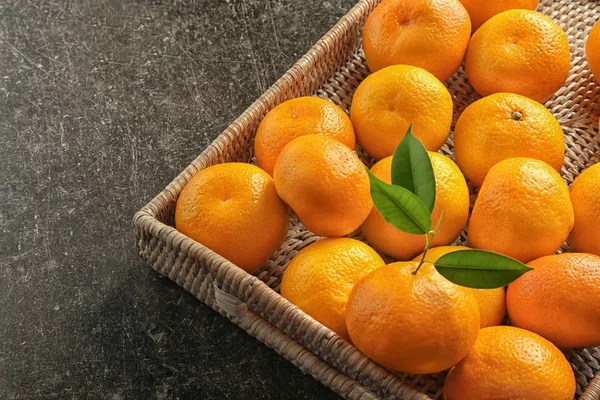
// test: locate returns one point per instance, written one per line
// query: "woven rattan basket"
(332, 69)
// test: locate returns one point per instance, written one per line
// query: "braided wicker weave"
(332, 69)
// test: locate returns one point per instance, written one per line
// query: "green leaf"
(400, 207)
(411, 169)
(480, 269)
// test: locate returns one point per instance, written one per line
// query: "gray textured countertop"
(102, 103)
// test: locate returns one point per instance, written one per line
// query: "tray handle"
(592, 391)
(238, 312)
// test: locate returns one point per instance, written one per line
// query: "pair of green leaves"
(407, 204)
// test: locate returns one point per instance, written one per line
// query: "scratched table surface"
(102, 103)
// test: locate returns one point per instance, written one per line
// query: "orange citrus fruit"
(518, 51)
(585, 196)
(431, 34)
(491, 302)
(559, 299)
(418, 323)
(523, 210)
(325, 184)
(511, 363)
(452, 199)
(592, 50)
(388, 101)
(298, 117)
(320, 277)
(502, 126)
(481, 11)
(225, 205)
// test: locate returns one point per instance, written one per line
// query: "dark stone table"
(102, 103)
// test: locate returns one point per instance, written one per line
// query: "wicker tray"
(332, 69)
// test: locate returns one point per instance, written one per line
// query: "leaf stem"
(428, 242)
